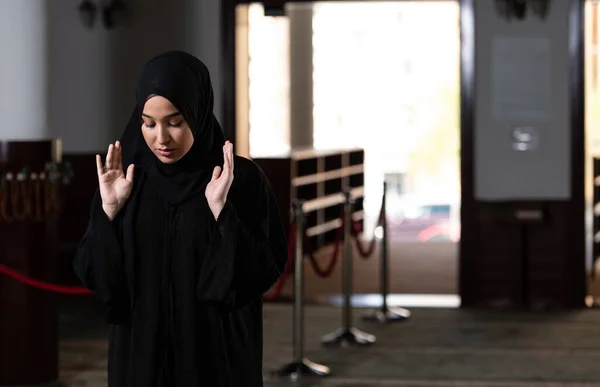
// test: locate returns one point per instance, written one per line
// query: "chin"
(167, 160)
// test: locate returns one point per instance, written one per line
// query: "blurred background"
(459, 136)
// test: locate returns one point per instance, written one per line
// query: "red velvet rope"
(326, 272)
(366, 253)
(40, 284)
(291, 258)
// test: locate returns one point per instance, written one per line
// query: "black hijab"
(185, 81)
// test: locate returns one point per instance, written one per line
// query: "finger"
(231, 157)
(115, 157)
(119, 151)
(229, 169)
(99, 165)
(225, 159)
(216, 173)
(109, 157)
(129, 175)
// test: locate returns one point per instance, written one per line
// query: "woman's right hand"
(115, 186)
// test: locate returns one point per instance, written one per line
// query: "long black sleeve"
(99, 259)
(248, 250)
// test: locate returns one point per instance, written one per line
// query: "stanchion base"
(304, 368)
(347, 337)
(388, 315)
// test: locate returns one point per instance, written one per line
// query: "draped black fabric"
(184, 290)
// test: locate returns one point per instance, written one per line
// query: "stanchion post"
(299, 288)
(300, 365)
(347, 335)
(384, 273)
(348, 264)
(385, 313)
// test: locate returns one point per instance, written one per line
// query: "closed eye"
(176, 124)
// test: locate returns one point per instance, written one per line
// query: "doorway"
(376, 87)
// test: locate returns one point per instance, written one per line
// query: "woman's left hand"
(218, 187)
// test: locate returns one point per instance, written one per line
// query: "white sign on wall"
(521, 83)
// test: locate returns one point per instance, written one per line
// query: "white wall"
(23, 70)
(91, 73)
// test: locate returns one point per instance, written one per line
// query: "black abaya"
(184, 289)
(198, 313)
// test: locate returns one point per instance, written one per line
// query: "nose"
(163, 136)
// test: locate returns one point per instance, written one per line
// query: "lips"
(165, 151)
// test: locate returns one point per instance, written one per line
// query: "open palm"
(218, 187)
(115, 185)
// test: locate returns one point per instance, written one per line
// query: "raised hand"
(218, 187)
(115, 186)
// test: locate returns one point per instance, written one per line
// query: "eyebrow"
(168, 116)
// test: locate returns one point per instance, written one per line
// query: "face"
(165, 130)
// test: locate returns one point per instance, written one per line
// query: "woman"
(182, 245)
